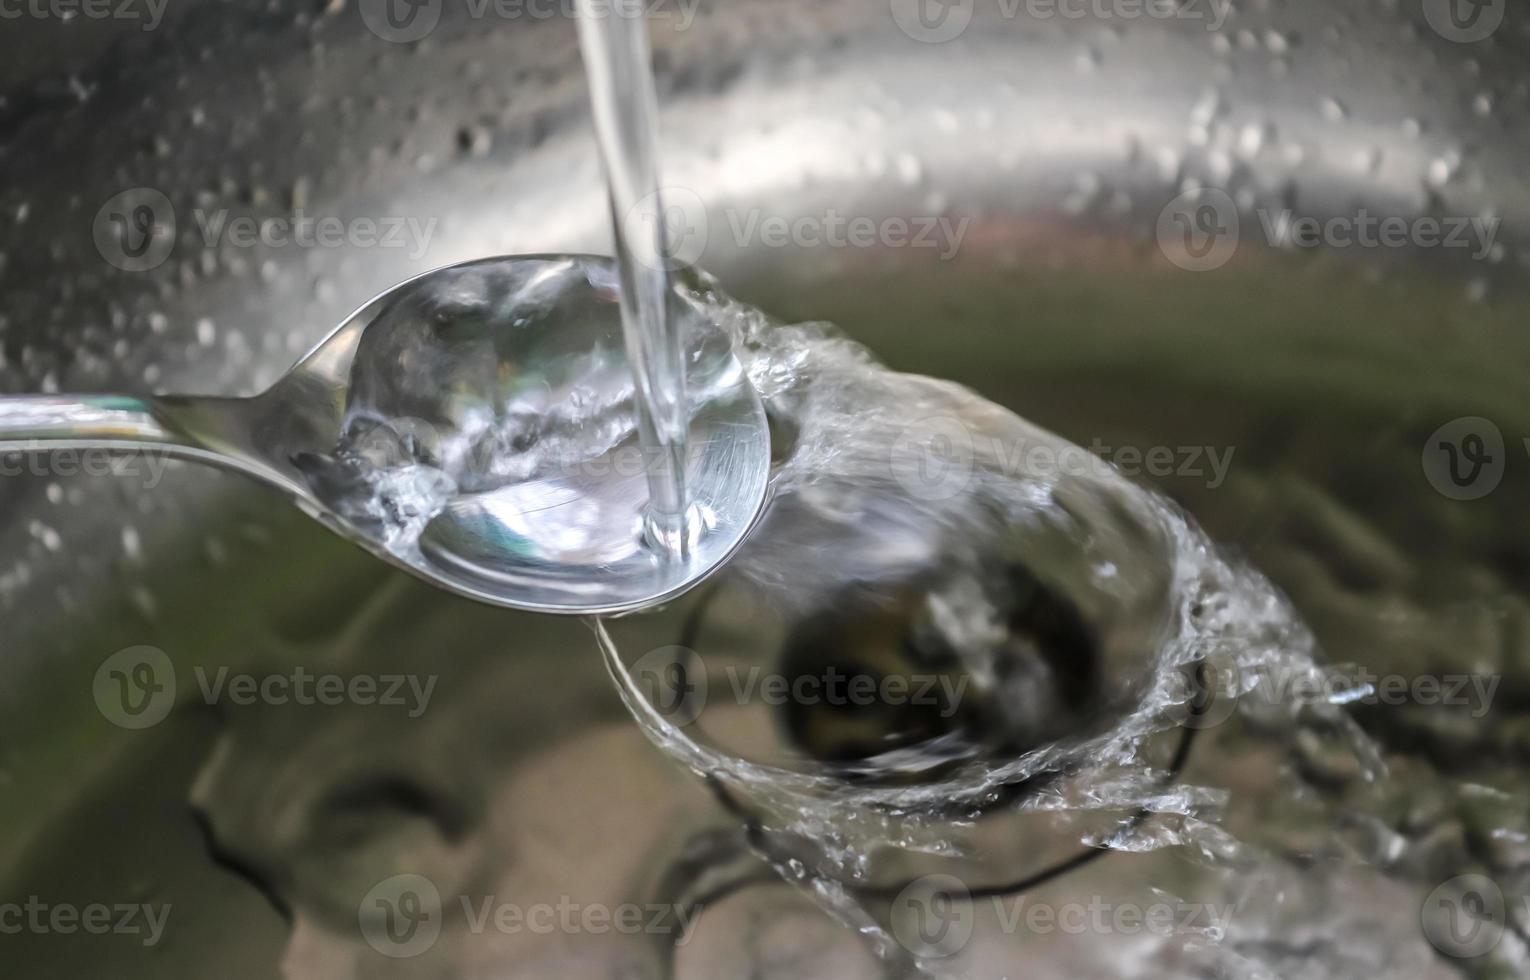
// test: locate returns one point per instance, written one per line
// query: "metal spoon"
(475, 426)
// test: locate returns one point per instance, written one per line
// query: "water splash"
(904, 493)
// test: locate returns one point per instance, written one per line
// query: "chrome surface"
(1060, 141)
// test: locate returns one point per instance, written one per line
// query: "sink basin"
(1266, 258)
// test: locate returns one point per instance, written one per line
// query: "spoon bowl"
(476, 426)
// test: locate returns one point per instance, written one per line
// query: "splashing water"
(1068, 617)
(1084, 620)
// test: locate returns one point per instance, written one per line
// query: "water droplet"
(910, 170)
(1251, 139)
(1442, 168)
(132, 545)
(1086, 189)
(48, 536)
(475, 140)
(1333, 110)
(1207, 108)
(143, 600)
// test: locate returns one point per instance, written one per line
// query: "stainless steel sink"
(1097, 221)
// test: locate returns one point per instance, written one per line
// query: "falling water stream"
(616, 60)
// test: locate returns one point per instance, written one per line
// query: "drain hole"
(897, 697)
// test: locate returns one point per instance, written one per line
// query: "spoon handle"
(36, 422)
(206, 430)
